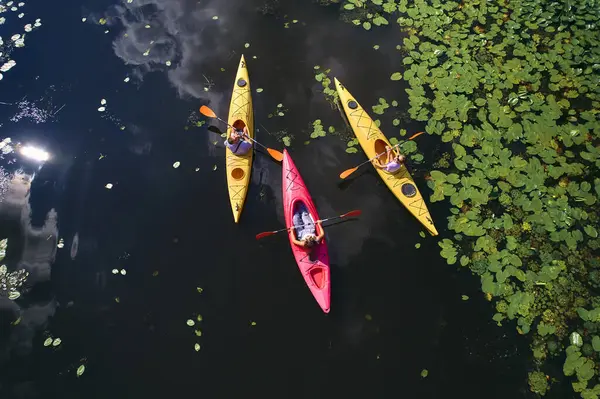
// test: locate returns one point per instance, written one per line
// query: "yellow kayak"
(239, 167)
(373, 142)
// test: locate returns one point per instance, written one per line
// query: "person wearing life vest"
(305, 228)
(238, 140)
(393, 161)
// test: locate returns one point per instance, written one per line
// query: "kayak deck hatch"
(318, 276)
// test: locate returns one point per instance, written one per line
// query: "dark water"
(395, 309)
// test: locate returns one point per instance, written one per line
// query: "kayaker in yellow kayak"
(393, 161)
(306, 232)
(238, 141)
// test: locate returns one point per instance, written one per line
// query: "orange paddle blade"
(415, 135)
(204, 110)
(351, 213)
(278, 156)
(347, 173)
(265, 234)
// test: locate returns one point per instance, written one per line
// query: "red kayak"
(313, 262)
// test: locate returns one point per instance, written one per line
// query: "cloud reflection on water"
(178, 30)
(185, 33)
(29, 248)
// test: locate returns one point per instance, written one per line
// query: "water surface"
(396, 310)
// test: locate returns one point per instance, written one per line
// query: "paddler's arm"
(245, 134)
(320, 236)
(293, 237)
(296, 242)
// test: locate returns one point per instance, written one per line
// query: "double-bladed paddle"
(356, 212)
(348, 172)
(276, 155)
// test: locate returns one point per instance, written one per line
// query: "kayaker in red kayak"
(238, 141)
(393, 161)
(306, 230)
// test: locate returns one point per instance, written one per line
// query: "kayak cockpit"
(301, 218)
(239, 125)
(317, 275)
(380, 149)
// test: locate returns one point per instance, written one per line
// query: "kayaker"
(238, 141)
(306, 234)
(393, 162)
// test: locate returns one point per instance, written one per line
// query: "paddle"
(276, 155)
(348, 172)
(270, 233)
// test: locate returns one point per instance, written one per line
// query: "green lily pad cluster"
(380, 108)
(322, 76)
(318, 130)
(368, 13)
(3, 246)
(538, 382)
(512, 91)
(280, 111)
(11, 282)
(17, 40)
(581, 367)
(195, 119)
(197, 330)
(352, 146)
(281, 135)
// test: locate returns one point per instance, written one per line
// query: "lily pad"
(591, 231)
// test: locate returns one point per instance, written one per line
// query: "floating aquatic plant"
(511, 90)
(322, 76)
(318, 130)
(17, 40)
(11, 282)
(280, 111)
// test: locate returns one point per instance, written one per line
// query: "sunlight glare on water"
(35, 153)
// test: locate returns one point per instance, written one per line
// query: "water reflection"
(29, 252)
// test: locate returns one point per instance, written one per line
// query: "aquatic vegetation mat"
(10, 281)
(511, 89)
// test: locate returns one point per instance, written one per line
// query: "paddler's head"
(310, 240)
(234, 137)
